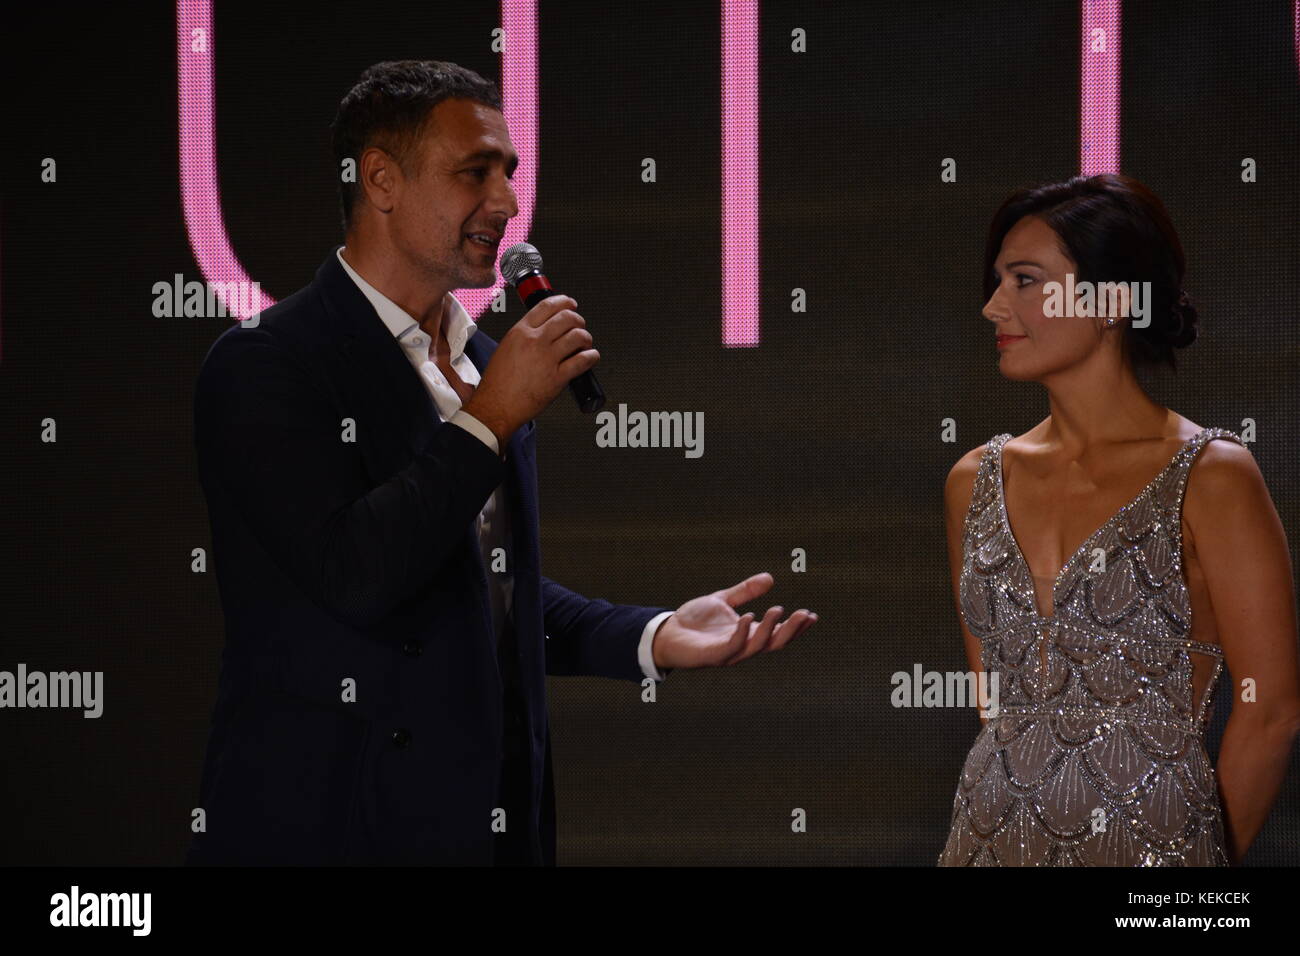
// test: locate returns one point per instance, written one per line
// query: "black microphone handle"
(586, 390)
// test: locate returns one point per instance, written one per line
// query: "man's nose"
(503, 201)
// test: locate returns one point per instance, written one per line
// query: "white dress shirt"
(493, 520)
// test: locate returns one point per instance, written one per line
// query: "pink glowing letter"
(200, 189)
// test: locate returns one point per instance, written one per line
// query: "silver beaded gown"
(1098, 758)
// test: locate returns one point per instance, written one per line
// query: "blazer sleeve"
(590, 635)
(270, 440)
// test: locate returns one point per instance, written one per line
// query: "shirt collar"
(456, 323)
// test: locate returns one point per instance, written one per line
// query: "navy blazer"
(351, 569)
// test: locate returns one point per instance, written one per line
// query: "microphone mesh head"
(520, 260)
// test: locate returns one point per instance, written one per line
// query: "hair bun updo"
(1181, 328)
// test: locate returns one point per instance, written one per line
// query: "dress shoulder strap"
(1206, 435)
(992, 458)
(1173, 484)
(986, 481)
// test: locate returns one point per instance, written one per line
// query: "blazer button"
(412, 649)
(401, 738)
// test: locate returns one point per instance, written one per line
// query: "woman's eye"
(1021, 275)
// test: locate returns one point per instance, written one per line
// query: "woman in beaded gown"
(1093, 750)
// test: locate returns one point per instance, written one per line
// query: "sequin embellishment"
(1097, 758)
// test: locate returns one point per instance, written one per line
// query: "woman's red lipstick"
(1004, 340)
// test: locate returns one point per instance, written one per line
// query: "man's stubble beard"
(463, 275)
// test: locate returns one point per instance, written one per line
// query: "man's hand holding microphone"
(544, 351)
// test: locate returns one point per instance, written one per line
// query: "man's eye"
(479, 171)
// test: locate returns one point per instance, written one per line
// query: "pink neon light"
(519, 97)
(1099, 86)
(740, 116)
(201, 191)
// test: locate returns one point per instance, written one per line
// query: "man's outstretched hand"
(707, 632)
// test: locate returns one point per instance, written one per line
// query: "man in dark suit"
(368, 457)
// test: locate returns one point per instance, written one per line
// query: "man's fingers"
(574, 340)
(771, 620)
(736, 643)
(760, 636)
(790, 628)
(562, 323)
(577, 363)
(543, 310)
(771, 634)
(748, 589)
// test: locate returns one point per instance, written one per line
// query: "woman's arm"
(957, 491)
(1243, 553)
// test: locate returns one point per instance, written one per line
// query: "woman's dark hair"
(1116, 230)
(389, 107)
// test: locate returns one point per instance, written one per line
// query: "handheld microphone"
(521, 267)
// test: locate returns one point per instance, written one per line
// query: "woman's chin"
(1016, 371)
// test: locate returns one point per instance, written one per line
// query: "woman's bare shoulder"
(1224, 474)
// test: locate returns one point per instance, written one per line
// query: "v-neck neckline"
(1069, 562)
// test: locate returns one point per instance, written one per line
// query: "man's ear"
(379, 178)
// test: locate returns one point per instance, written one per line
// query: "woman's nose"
(993, 310)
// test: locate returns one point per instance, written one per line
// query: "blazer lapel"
(385, 389)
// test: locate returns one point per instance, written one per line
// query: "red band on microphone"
(530, 285)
